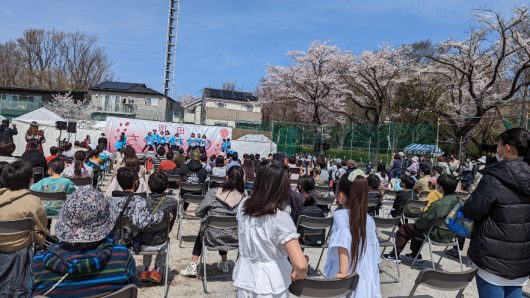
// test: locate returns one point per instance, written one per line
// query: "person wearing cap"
(33, 133)
(84, 263)
(6, 133)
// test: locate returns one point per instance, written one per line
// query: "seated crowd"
(96, 233)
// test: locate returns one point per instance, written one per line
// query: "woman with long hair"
(270, 256)
(353, 245)
(219, 201)
(33, 133)
(500, 208)
(79, 169)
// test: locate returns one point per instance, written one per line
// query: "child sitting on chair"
(157, 234)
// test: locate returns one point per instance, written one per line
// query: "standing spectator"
(248, 167)
(414, 168)
(268, 241)
(34, 156)
(353, 244)
(54, 150)
(33, 133)
(395, 170)
(6, 133)
(500, 208)
(103, 141)
(84, 263)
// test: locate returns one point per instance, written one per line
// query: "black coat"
(500, 208)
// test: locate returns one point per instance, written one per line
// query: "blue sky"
(233, 40)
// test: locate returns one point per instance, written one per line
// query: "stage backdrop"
(136, 130)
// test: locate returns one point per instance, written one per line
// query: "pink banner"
(136, 130)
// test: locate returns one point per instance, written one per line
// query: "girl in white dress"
(267, 236)
(353, 243)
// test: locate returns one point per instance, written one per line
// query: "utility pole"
(171, 47)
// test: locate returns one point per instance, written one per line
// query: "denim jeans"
(487, 290)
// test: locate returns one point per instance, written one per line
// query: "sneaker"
(144, 276)
(155, 277)
(191, 270)
(391, 257)
(411, 256)
(223, 266)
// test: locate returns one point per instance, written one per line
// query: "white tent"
(254, 143)
(46, 120)
(2, 117)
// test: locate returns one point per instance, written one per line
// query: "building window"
(151, 101)
(248, 108)
(221, 105)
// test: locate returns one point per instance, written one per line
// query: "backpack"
(192, 178)
(312, 237)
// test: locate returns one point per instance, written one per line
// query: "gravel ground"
(181, 286)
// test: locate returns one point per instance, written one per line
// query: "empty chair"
(328, 288)
(214, 222)
(388, 224)
(315, 223)
(444, 281)
(187, 199)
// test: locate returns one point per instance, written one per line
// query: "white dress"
(367, 265)
(262, 269)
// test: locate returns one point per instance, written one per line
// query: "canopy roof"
(43, 116)
(423, 148)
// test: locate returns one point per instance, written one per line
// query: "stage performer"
(203, 144)
(180, 141)
(121, 143)
(33, 133)
(192, 143)
(161, 140)
(155, 138)
(167, 140)
(149, 142)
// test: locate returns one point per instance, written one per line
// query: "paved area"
(181, 286)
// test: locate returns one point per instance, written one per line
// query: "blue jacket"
(192, 142)
(149, 140)
(121, 144)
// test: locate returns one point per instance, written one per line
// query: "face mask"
(499, 158)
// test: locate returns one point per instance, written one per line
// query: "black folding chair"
(325, 288)
(50, 197)
(82, 181)
(215, 222)
(316, 223)
(388, 224)
(38, 173)
(216, 181)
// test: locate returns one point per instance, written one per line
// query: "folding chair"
(173, 181)
(216, 222)
(388, 223)
(82, 181)
(155, 250)
(444, 281)
(190, 199)
(412, 204)
(424, 194)
(462, 195)
(323, 191)
(50, 197)
(18, 226)
(216, 181)
(389, 195)
(129, 291)
(38, 172)
(427, 238)
(325, 288)
(325, 202)
(316, 223)
(294, 171)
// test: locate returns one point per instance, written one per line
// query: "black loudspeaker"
(60, 125)
(72, 127)
(325, 146)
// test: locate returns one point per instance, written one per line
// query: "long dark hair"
(518, 138)
(132, 163)
(80, 157)
(234, 180)
(357, 194)
(381, 168)
(248, 167)
(270, 191)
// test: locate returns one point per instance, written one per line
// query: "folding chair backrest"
(390, 193)
(17, 227)
(325, 201)
(129, 291)
(325, 189)
(316, 223)
(319, 287)
(173, 178)
(193, 198)
(445, 281)
(416, 204)
(386, 223)
(221, 222)
(82, 181)
(294, 171)
(190, 187)
(50, 196)
(38, 171)
(373, 202)
(217, 180)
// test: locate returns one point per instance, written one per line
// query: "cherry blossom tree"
(65, 106)
(483, 71)
(310, 84)
(186, 99)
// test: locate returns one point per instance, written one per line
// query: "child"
(54, 151)
(121, 143)
(149, 142)
(157, 234)
(54, 183)
(267, 236)
(192, 143)
(353, 244)
(167, 140)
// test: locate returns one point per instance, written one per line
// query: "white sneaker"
(191, 270)
(223, 266)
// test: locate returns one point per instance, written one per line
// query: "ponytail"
(79, 157)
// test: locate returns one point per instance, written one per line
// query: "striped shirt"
(94, 270)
